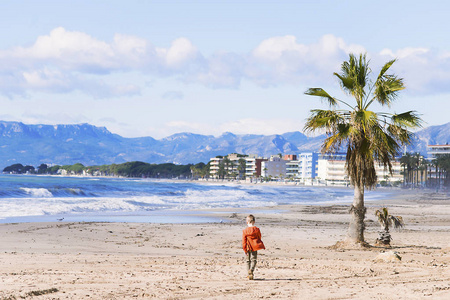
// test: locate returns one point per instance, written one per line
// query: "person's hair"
(251, 218)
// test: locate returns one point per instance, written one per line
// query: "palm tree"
(386, 220)
(368, 136)
(406, 161)
(241, 168)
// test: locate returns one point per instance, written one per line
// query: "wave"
(23, 192)
(37, 192)
(39, 196)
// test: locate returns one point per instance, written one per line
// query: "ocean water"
(26, 198)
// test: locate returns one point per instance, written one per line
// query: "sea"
(33, 198)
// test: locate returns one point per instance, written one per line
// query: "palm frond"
(319, 92)
(409, 119)
(323, 119)
(386, 220)
(404, 136)
(386, 67)
(397, 221)
(382, 216)
(346, 83)
(354, 76)
(387, 86)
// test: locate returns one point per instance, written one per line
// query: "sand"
(205, 261)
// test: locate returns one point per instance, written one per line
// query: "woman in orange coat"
(251, 243)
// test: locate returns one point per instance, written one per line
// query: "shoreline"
(186, 216)
(205, 261)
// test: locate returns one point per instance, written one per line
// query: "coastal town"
(313, 168)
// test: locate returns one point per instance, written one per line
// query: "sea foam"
(37, 192)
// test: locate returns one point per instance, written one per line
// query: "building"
(308, 165)
(292, 169)
(253, 166)
(214, 166)
(289, 157)
(235, 166)
(331, 169)
(274, 167)
(435, 150)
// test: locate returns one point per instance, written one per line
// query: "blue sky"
(154, 68)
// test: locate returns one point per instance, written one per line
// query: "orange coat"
(251, 239)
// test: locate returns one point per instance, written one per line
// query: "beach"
(89, 260)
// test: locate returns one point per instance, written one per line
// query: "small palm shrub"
(386, 221)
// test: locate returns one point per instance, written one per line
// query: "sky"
(156, 68)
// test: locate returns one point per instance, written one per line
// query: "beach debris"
(234, 216)
(389, 256)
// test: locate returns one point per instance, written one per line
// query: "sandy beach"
(205, 261)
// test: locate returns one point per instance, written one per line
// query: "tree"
(407, 162)
(15, 169)
(42, 169)
(369, 136)
(443, 163)
(386, 220)
(242, 165)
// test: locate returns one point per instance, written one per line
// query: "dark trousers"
(251, 260)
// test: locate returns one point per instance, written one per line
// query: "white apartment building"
(214, 166)
(308, 165)
(435, 150)
(331, 168)
(292, 168)
(252, 165)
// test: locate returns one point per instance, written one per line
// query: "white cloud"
(283, 60)
(67, 50)
(425, 71)
(180, 52)
(64, 61)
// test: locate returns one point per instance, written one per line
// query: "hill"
(91, 145)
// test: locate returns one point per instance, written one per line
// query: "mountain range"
(92, 145)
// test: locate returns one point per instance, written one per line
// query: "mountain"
(91, 145)
(433, 135)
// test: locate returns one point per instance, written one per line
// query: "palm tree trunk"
(358, 212)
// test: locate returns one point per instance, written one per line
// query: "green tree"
(369, 136)
(42, 169)
(242, 165)
(443, 163)
(15, 168)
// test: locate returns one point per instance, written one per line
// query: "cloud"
(180, 53)
(425, 71)
(282, 59)
(173, 95)
(64, 61)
